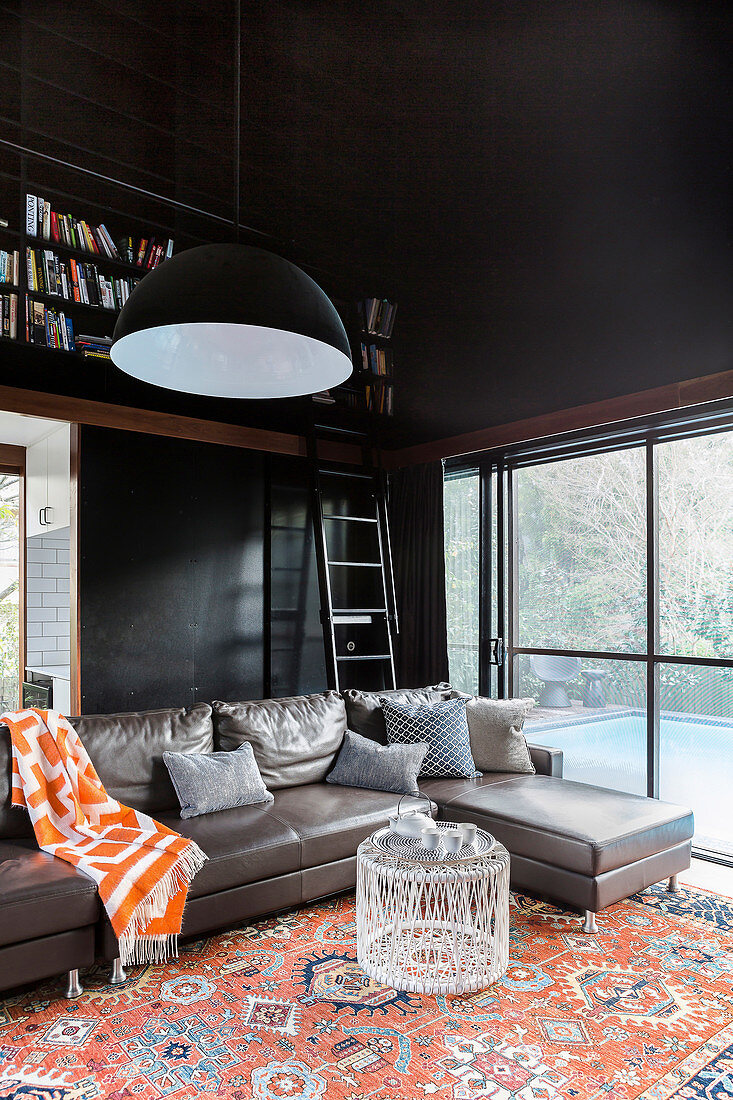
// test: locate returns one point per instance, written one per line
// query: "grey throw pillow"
(364, 763)
(207, 782)
(364, 710)
(495, 729)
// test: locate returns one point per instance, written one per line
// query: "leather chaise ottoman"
(587, 847)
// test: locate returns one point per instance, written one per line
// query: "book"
(38, 323)
(31, 215)
(9, 267)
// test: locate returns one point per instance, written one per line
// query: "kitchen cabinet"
(48, 483)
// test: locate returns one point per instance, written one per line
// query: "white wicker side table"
(428, 922)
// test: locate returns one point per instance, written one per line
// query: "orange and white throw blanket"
(141, 868)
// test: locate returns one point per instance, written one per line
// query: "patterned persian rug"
(280, 1009)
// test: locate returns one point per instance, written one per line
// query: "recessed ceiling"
(22, 431)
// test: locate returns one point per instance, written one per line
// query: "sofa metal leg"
(674, 884)
(589, 925)
(118, 975)
(74, 987)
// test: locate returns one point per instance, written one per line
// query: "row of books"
(48, 327)
(377, 316)
(9, 315)
(9, 267)
(379, 399)
(94, 347)
(377, 360)
(42, 221)
(76, 281)
(147, 252)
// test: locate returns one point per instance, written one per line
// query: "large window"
(615, 606)
(462, 543)
(581, 553)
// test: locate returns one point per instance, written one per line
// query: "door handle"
(40, 516)
(46, 520)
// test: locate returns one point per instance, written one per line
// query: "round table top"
(406, 851)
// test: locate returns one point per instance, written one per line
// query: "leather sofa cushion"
(244, 845)
(364, 710)
(571, 825)
(41, 895)
(295, 740)
(441, 791)
(127, 751)
(331, 821)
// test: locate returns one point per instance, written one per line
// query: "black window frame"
(497, 471)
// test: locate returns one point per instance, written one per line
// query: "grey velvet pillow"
(207, 782)
(364, 763)
(495, 729)
(364, 710)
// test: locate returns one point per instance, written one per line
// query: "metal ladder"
(358, 634)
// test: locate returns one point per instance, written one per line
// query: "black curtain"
(416, 522)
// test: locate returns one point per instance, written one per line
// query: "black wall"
(543, 186)
(171, 572)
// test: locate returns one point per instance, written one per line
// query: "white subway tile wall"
(47, 589)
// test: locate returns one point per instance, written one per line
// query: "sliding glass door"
(696, 622)
(597, 578)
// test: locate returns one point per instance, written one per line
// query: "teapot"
(410, 823)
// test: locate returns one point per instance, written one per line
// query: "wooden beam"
(678, 395)
(81, 411)
(12, 456)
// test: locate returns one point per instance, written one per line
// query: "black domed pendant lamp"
(230, 320)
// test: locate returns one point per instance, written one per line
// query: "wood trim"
(678, 395)
(74, 602)
(81, 411)
(12, 456)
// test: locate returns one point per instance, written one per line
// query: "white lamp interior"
(228, 360)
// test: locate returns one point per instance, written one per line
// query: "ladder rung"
(332, 430)
(367, 657)
(286, 527)
(349, 620)
(345, 473)
(351, 519)
(361, 564)
(358, 610)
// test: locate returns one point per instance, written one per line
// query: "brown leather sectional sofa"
(583, 846)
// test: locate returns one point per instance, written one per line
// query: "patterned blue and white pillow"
(445, 728)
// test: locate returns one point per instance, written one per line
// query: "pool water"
(696, 763)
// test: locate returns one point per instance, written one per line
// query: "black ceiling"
(543, 186)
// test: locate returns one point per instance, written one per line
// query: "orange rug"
(280, 1009)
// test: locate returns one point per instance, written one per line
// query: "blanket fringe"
(135, 945)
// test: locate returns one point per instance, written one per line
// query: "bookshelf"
(370, 324)
(65, 274)
(76, 269)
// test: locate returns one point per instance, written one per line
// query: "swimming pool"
(696, 762)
